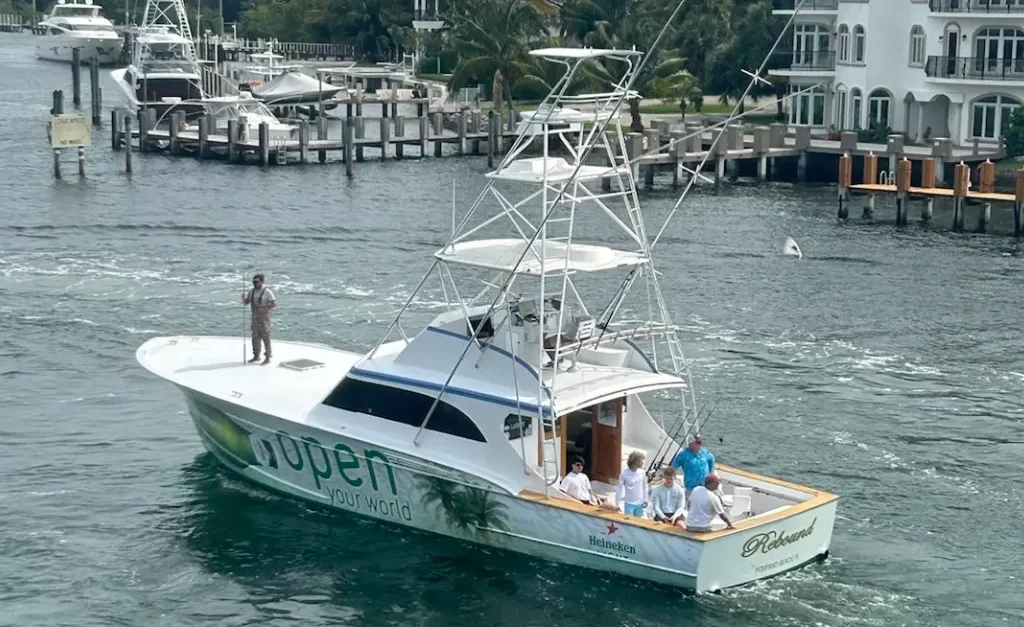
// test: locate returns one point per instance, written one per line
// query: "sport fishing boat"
(78, 24)
(465, 428)
(164, 70)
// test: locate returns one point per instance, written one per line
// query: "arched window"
(917, 46)
(843, 43)
(991, 115)
(859, 44)
(842, 101)
(880, 108)
(856, 107)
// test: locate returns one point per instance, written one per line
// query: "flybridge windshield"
(75, 11)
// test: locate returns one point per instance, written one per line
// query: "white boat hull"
(57, 48)
(345, 473)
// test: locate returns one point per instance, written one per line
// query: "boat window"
(512, 426)
(402, 406)
(486, 327)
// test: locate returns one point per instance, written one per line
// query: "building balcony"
(975, 69)
(820, 6)
(809, 64)
(979, 7)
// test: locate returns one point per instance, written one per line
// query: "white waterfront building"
(927, 68)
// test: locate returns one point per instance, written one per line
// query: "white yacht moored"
(465, 428)
(164, 69)
(78, 24)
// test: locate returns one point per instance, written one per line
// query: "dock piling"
(143, 130)
(903, 169)
(127, 143)
(115, 131)
(424, 134)
(264, 139)
(845, 180)
(81, 161)
(304, 143)
(232, 139)
(204, 136)
(987, 180)
(385, 137)
(961, 177)
(870, 178)
(399, 134)
(58, 102)
(929, 178)
(175, 144)
(76, 76)
(1018, 203)
(349, 140)
(492, 133)
(462, 133)
(95, 93)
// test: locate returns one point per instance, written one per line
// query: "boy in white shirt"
(631, 495)
(705, 505)
(577, 485)
(668, 499)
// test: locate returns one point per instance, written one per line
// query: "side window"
(517, 426)
(402, 406)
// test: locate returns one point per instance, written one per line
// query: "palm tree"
(481, 511)
(441, 493)
(492, 39)
(367, 24)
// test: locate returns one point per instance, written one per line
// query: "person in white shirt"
(705, 505)
(631, 495)
(577, 485)
(668, 499)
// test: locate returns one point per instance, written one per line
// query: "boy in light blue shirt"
(696, 463)
(668, 499)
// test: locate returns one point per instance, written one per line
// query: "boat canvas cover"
(293, 86)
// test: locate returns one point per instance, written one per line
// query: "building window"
(841, 103)
(811, 45)
(404, 406)
(807, 108)
(855, 108)
(917, 46)
(859, 44)
(844, 43)
(991, 115)
(880, 108)
(999, 51)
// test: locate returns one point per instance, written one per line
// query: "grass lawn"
(1008, 165)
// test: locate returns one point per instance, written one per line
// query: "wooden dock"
(961, 194)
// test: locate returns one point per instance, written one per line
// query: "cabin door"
(607, 444)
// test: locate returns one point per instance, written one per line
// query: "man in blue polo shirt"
(696, 462)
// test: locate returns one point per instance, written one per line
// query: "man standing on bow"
(261, 299)
(696, 462)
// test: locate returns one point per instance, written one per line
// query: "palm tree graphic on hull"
(469, 510)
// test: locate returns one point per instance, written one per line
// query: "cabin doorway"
(606, 446)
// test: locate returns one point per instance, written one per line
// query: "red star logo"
(612, 528)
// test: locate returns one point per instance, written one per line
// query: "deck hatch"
(302, 364)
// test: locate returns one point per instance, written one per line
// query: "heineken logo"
(614, 546)
(771, 540)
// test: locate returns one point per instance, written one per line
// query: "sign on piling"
(70, 131)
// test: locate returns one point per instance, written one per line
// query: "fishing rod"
(708, 417)
(672, 440)
(666, 443)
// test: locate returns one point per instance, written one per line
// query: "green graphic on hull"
(470, 510)
(231, 440)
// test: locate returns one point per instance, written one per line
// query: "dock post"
(903, 169)
(987, 177)
(1018, 203)
(474, 128)
(870, 178)
(762, 148)
(95, 93)
(492, 133)
(264, 143)
(675, 149)
(143, 130)
(438, 123)
(845, 180)
(399, 135)
(360, 128)
(961, 177)
(462, 133)
(232, 145)
(204, 136)
(76, 76)
(81, 161)
(175, 144)
(115, 123)
(803, 144)
(348, 140)
(321, 127)
(424, 135)
(303, 143)
(929, 177)
(128, 143)
(385, 137)
(653, 148)
(634, 148)
(58, 102)
(56, 163)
